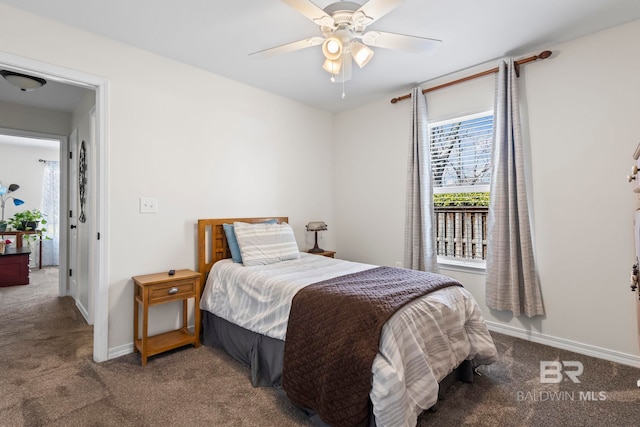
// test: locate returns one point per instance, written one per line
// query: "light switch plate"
(148, 205)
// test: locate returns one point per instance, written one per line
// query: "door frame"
(70, 205)
(63, 287)
(99, 276)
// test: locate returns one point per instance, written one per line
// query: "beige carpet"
(47, 378)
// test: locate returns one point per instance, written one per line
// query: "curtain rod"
(543, 55)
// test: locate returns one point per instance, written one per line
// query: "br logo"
(551, 371)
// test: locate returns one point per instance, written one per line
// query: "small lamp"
(316, 226)
(4, 196)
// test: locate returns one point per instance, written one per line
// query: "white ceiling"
(52, 96)
(218, 36)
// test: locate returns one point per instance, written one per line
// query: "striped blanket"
(334, 334)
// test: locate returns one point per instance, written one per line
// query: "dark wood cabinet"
(20, 234)
(14, 266)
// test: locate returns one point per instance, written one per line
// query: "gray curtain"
(511, 277)
(419, 231)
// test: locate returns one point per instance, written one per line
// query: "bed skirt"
(264, 355)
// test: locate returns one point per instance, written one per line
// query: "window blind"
(461, 153)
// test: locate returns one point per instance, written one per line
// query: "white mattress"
(420, 345)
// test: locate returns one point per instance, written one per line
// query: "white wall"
(223, 149)
(19, 164)
(583, 128)
(34, 119)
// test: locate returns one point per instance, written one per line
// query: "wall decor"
(82, 180)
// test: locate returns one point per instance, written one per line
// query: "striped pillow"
(262, 244)
(232, 242)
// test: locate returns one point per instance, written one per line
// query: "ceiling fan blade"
(400, 42)
(374, 10)
(286, 48)
(311, 11)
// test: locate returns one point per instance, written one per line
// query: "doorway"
(32, 164)
(97, 233)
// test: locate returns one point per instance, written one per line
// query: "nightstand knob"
(173, 291)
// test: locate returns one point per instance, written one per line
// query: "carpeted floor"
(48, 378)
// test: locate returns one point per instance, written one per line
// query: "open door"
(635, 276)
(72, 274)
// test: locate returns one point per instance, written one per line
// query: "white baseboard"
(119, 351)
(576, 347)
(83, 311)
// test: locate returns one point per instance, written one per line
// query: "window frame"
(449, 262)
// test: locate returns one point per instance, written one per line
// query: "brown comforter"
(333, 336)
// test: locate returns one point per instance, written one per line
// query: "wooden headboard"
(212, 242)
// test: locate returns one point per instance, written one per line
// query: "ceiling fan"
(343, 25)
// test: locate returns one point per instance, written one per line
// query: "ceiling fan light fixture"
(344, 40)
(332, 48)
(361, 54)
(22, 81)
(332, 67)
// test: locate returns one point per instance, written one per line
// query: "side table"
(329, 254)
(160, 288)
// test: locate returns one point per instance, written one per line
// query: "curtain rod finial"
(400, 98)
(545, 54)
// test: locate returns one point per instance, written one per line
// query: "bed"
(430, 342)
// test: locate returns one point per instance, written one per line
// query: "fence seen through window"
(461, 168)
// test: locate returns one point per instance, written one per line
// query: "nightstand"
(328, 254)
(160, 288)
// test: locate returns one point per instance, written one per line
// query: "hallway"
(38, 329)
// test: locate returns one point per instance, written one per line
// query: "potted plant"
(29, 220)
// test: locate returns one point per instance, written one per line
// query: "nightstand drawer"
(165, 292)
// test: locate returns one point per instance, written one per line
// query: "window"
(461, 168)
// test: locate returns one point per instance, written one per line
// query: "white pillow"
(262, 244)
